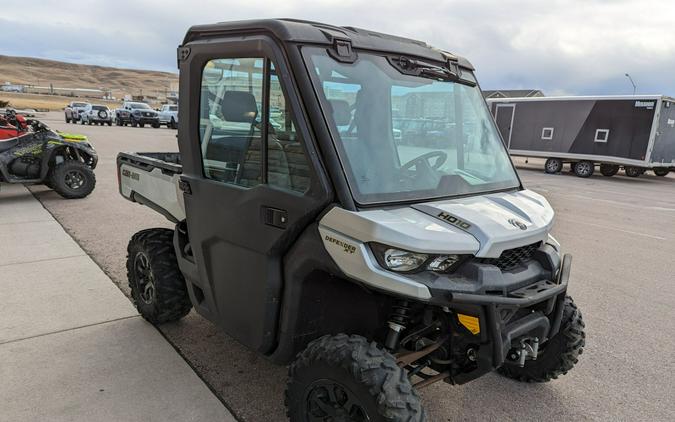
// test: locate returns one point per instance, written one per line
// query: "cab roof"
(307, 32)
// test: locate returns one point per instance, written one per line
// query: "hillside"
(40, 72)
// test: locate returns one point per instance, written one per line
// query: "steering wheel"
(424, 158)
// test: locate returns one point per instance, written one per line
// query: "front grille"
(512, 258)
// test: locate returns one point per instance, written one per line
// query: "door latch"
(184, 185)
(275, 217)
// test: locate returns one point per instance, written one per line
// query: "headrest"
(341, 112)
(239, 106)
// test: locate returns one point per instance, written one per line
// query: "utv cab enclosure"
(310, 233)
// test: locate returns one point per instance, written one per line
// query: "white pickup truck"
(168, 115)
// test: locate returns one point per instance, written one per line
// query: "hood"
(482, 225)
(498, 221)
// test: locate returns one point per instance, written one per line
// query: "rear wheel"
(141, 124)
(632, 171)
(584, 168)
(661, 172)
(109, 122)
(118, 122)
(134, 123)
(609, 170)
(553, 165)
(157, 285)
(558, 355)
(72, 179)
(67, 119)
(347, 378)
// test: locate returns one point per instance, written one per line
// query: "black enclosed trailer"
(636, 132)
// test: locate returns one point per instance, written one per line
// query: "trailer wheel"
(609, 170)
(558, 355)
(157, 286)
(584, 168)
(553, 165)
(632, 171)
(348, 378)
(661, 171)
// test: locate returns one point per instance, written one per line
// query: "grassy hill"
(41, 72)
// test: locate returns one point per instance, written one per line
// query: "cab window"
(233, 133)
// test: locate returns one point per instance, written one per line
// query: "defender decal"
(454, 220)
(347, 247)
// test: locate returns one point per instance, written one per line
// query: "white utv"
(315, 237)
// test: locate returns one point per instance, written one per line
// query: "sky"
(575, 47)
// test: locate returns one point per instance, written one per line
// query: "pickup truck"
(168, 115)
(136, 114)
(72, 111)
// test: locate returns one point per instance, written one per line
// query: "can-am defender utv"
(32, 153)
(312, 231)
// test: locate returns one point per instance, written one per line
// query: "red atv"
(12, 125)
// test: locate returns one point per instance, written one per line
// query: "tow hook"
(529, 349)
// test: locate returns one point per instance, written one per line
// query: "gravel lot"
(621, 232)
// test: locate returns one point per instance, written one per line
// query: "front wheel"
(347, 378)
(72, 179)
(155, 125)
(67, 119)
(558, 355)
(157, 286)
(172, 124)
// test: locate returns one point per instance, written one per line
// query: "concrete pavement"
(72, 347)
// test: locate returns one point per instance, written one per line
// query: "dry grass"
(51, 102)
(31, 71)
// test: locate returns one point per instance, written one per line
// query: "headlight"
(403, 261)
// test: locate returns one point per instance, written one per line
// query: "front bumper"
(523, 304)
(146, 120)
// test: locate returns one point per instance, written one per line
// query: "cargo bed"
(152, 179)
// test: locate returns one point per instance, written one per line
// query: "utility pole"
(632, 83)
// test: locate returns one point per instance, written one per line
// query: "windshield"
(403, 137)
(80, 104)
(139, 105)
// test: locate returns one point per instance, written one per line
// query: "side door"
(252, 182)
(504, 120)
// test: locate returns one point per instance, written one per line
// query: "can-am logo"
(516, 223)
(644, 104)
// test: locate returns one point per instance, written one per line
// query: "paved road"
(620, 230)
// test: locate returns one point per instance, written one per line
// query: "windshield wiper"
(409, 66)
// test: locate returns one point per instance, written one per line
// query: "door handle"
(275, 217)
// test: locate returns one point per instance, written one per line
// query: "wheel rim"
(583, 168)
(552, 166)
(75, 179)
(144, 278)
(328, 400)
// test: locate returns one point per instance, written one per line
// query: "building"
(513, 93)
(10, 87)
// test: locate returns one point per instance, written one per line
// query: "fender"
(54, 146)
